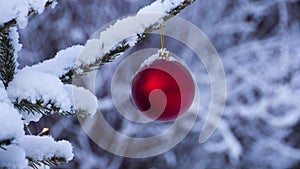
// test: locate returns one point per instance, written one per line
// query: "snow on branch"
(17, 11)
(13, 156)
(11, 129)
(12, 126)
(84, 103)
(31, 90)
(44, 150)
(43, 93)
(63, 61)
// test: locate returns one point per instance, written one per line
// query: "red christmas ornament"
(170, 77)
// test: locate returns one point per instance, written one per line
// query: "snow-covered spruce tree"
(43, 89)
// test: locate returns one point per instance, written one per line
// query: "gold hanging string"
(162, 38)
(163, 53)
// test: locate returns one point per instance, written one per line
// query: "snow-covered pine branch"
(30, 95)
(44, 150)
(112, 42)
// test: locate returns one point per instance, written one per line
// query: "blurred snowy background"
(259, 44)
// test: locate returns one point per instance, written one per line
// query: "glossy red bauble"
(163, 89)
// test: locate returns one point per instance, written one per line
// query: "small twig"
(28, 104)
(38, 107)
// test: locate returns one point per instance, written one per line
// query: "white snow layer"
(13, 157)
(11, 126)
(14, 35)
(33, 86)
(62, 62)
(160, 6)
(18, 9)
(3, 94)
(44, 147)
(112, 37)
(84, 102)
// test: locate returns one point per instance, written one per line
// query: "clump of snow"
(61, 64)
(131, 26)
(13, 157)
(37, 5)
(18, 9)
(90, 52)
(84, 102)
(160, 6)
(8, 10)
(33, 86)
(3, 94)
(11, 126)
(41, 147)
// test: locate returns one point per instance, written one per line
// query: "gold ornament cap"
(163, 53)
